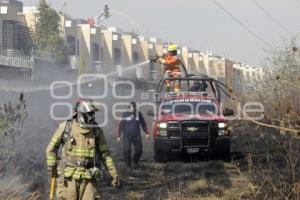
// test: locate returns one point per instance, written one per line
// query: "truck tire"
(158, 156)
(222, 150)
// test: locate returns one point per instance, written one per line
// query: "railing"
(44, 56)
(17, 61)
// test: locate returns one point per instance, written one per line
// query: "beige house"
(202, 68)
(112, 50)
(89, 45)
(132, 54)
(30, 17)
(157, 70)
(108, 47)
(147, 52)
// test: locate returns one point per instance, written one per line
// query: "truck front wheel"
(222, 150)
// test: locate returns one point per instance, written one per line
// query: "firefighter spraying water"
(171, 63)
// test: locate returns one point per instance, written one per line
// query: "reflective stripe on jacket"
(79, 148)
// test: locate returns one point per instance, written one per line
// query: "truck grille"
(193, 134)
(189, 129)
(195, 129)
(173, 130)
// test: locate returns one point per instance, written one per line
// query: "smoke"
(39, 126)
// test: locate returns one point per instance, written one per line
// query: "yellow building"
(112, 50)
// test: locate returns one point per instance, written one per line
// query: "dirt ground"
(182, 178)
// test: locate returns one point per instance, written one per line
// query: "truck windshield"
(189, 108)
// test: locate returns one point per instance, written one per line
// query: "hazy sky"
(198, 24)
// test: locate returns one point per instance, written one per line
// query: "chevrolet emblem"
(192, 129)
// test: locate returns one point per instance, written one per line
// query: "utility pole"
(64, 16)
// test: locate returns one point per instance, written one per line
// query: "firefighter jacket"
(78, 151)
(171, 63)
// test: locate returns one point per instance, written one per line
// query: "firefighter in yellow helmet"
(171, 64)
(83, 151)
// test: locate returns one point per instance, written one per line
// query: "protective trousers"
(136, 142)
(72, 189)
(172, 74)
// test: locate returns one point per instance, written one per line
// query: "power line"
(242, 24)
(269, 15)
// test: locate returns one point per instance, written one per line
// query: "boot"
(168, 87)
(136, 165)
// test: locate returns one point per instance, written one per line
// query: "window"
(72, 44)
(117, 56)
(101, 53)
(95, 52)
(3, 10)
(135, 58)
(77, 49)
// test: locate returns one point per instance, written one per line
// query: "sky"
(199, 24)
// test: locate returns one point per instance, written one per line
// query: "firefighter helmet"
(172, 47)
(86, 112)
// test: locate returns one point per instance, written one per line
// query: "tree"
(48, 33)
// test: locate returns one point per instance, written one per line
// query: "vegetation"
(12, 117)
(48, 32)
(273, 145)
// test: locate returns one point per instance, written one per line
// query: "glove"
(162, 61)
(52, 171)
(115, 181)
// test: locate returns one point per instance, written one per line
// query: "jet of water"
(7, 87)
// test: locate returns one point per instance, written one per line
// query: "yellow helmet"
(172, 47)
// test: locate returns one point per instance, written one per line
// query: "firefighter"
(130, 127)
(171, 64)
(83, 150)
(199, 86)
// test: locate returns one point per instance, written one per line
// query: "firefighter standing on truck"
(171, 64)
(84, 149)
(130, 127)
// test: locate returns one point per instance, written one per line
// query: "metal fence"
(44, 56)
(19, 67)
(17, 61)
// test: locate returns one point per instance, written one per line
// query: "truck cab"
(190, 122)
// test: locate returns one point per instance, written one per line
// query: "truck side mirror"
(150, 113)
(228, 112)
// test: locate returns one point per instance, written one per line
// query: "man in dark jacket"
(199, 86)
(130, 125)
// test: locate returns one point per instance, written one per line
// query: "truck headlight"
(162, 125)
(221, 125)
